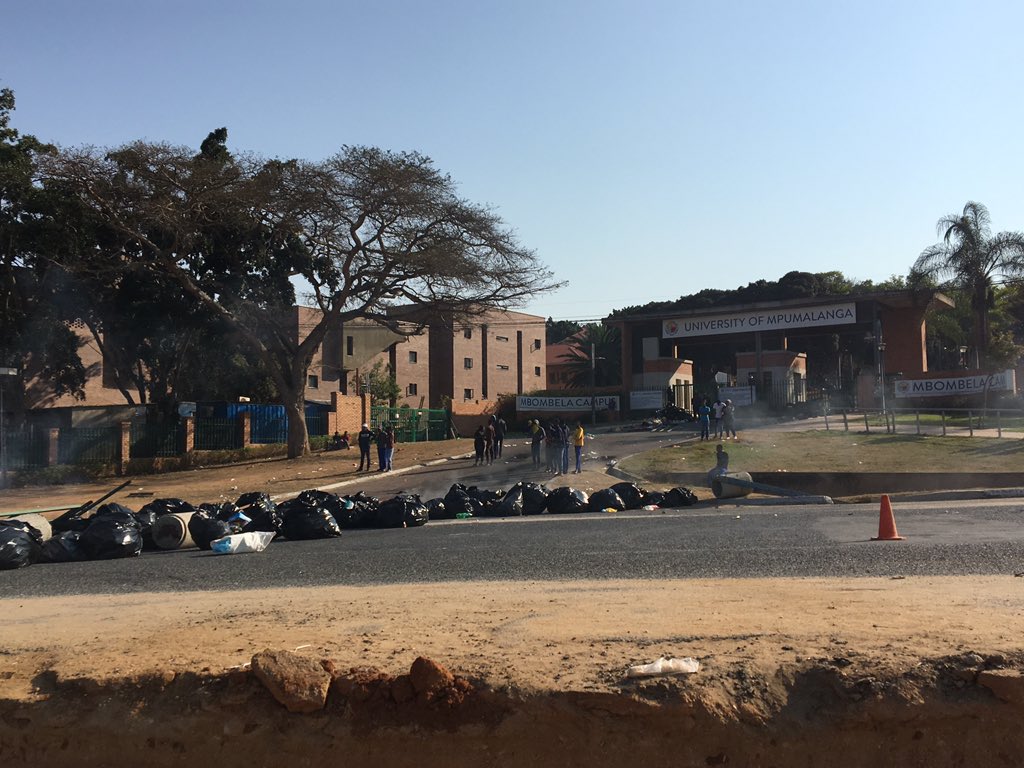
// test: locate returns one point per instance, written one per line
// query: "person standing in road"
(729, 419)
(499, 434)
(389, 452)
(553, 445)
(717, 410)
(489, 440)
(704, 419)
(365, 437)
(578, 437)
(536, 442)
(478, 445)
(381, 437)
(564, 429)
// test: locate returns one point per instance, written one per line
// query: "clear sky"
(645, 150)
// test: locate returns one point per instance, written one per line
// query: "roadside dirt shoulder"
(528, 636)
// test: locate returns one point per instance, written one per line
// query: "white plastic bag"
(663, 666)
(240, 543)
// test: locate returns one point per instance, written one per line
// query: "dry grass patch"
(822, 451)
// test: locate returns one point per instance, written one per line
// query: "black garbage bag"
(484, 496)
(363, 513)
(606, 499)
(76, 519)
(436, 510)
(680, 497)
(457, 501)
(511, 505)
(145, 520)
(161, 507)
(115, 511)
(562, 501)
(110, 537)
(535, 498)
(632, 495)
(261, 511)
(227, 513)
(204, 526)
(303, 521)
(654, 499)
(344, 510)
(65, 547)
(403, 511)
(20, 544)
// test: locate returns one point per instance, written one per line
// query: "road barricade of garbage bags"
(114, 531)
(535, 499)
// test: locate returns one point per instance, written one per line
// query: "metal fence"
(212, 434)
(89, 445)
(161, 439)
(412, 425)
(935, 421)
(269, 425)
(316, 424)
(27, 449)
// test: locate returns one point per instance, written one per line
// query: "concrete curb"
(361, 478)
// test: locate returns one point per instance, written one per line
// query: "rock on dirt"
(297, 682)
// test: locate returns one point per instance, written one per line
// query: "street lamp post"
(881, 369)
(593, 384)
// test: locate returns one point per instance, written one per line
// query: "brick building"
(466, 362)
(434, 358)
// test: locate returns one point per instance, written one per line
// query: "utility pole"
(593, 384)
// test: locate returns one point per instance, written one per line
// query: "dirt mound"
(954, 711)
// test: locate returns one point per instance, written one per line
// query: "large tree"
(37, 300)
(361, 232)
(594, 357)
(970, 258)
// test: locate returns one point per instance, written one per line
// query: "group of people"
(724, 414)
(554, 440)
(489, 440)
(384, 436)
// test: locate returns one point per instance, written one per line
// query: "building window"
(536, 370)
(349, 345)
(467, 362)
(467, 394)
(502, 367)
(536, 343)
(412, 356)
(501, 338)
(410, 389)
(313, 382)
(467, 333)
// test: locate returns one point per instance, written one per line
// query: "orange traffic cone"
(886, 522)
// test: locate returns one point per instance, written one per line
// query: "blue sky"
(645, 150)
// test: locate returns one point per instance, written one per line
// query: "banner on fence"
(561, 403)
(738, 395)
(1004, 381)
(646, 399)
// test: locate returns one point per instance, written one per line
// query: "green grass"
(821, 451)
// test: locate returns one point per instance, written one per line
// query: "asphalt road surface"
(731, 541)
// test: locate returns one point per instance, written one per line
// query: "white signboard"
(738, 395)
(760, 320)
(1005, 381)
(646, 400)
(561, 403)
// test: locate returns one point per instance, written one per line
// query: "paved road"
(829, 541)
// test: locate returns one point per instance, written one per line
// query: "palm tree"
(604, 341)
(971, 258)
